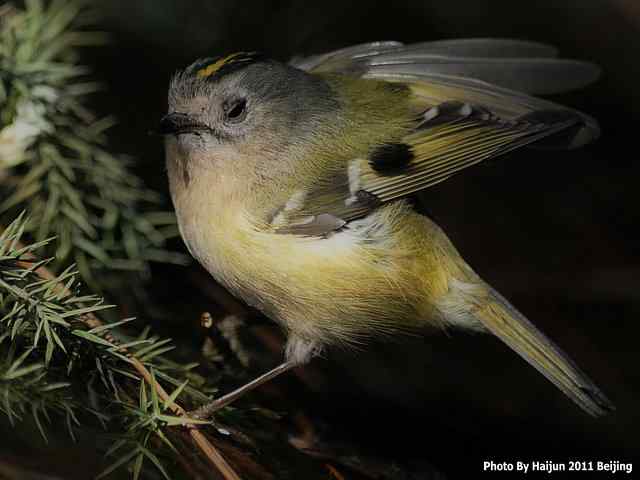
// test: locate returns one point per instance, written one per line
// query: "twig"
(334, 472)
(212, 454)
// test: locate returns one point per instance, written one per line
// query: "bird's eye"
(235, 111)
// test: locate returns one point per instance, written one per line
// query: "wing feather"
(460, 121)
(536, 76)
(517, 64)
(486, 47)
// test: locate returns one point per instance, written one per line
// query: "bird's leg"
(207, 410)
(297, 352)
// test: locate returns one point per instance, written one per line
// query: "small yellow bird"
(289, 183)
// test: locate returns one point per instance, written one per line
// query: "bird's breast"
(360, 281)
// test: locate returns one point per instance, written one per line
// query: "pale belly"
(363, 281)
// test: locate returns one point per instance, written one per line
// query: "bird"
(291, 184)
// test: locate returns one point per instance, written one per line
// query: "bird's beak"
(175, 123)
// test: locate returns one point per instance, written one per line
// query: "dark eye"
(236, 110)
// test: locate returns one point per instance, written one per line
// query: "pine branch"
(54, 163)
(14, 253)
(53, 155)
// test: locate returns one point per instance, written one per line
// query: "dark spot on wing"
(391, 158)
(367, 199)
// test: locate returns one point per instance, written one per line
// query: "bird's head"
(242, 117)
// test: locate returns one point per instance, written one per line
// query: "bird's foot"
(207, 410)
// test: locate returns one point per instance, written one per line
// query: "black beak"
(175, 123)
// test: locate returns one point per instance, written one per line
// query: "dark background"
(556, 233)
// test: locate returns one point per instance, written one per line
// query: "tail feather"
(510, 326)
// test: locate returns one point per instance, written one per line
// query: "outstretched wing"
(520, 65)
(463, 120)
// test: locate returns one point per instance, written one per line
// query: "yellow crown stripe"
(214, 67)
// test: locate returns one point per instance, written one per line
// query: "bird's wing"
(461, 122)
(465, 122)
(525, 66)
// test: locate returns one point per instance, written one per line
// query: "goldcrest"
(289, 184)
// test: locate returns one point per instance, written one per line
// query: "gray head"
(243, 103)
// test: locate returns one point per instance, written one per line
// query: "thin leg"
(206, 411)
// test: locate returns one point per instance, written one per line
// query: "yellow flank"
(314, 286)
(217, 65)
(399, 258)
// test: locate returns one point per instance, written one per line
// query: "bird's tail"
(510, 326)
